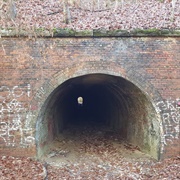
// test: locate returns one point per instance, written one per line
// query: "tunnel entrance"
(95, 111)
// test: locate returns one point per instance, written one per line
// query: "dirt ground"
(87, 153)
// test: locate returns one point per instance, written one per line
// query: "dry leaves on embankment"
(48, 14)
(20, 169)
(28, 169)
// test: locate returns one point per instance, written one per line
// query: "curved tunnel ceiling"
(108, 100)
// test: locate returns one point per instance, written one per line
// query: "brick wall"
(30, 69)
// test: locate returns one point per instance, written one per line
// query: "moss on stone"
(155, 32)
(110, 33)
(99, 32)
(118, 33)
(58, 32)
(84, 33)
(147, 32)
(136, 32)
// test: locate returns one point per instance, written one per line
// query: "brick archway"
(51, 87)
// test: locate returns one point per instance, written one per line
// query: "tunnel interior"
(105, 100)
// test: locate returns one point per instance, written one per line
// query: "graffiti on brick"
(40, 93)
(43, 90)
(170, 111)
(15, 117)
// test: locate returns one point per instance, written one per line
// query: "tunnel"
(100, 100)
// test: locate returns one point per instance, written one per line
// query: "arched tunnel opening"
(108, 105)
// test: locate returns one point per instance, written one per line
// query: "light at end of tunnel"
(80, 101)
(178, 103)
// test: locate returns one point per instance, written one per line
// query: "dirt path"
(79, 144)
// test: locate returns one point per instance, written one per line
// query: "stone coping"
(58, 32)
